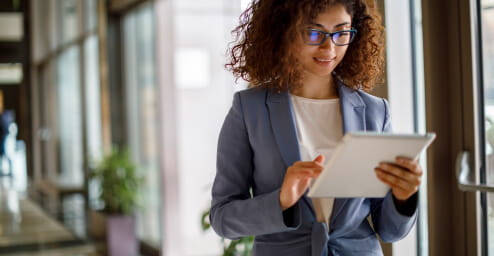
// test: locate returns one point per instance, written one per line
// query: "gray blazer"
(257, 143)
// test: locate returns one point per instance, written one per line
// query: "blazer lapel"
(285, 133)
(283, 124)
(352, 109)
(282, 119)
(353, 116)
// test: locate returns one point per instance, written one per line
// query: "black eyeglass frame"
(353, 32)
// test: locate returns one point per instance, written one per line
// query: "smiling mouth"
(324, 60)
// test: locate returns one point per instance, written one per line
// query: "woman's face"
(321, 60)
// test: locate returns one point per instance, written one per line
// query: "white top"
(319, 128)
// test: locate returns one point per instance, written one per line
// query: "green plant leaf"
(205, 220)
(119, 181)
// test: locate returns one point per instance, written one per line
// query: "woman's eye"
(314, 35)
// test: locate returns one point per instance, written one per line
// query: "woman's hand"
(297, 180)
(403, 176)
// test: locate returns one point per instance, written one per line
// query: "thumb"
(319, 159)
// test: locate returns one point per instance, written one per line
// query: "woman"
(308, 63)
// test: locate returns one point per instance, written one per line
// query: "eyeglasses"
(317, 37)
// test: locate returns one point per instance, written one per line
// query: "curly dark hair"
(263, 50)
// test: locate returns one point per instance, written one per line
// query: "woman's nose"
(328, 45)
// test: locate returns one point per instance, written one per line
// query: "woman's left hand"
(403, 176)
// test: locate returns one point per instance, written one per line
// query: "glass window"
(70, 11)
(91, 14)
(51, 16)
(420, 122)
(44, 28)
(69, 121)
(47, 126)
(487, 36)
(11, 26)
(141, 112)
(10, 73)
(93, 100)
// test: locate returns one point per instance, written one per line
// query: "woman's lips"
(324, 61)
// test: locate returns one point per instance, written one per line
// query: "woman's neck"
(314, 87)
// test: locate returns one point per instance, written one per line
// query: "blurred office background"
(79, 77)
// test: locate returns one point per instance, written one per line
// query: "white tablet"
(349, 172)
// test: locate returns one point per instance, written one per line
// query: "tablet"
(349, 172)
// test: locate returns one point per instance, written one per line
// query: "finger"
(400, 187)
(395, 182)
(410, 164)
(400, 172)
(319, 159)
(304, 172)
(307, 164)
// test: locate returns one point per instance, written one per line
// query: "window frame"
(451, 80)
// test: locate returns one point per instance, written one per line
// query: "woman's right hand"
(297, 180)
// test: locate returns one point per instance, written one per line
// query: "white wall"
(201, 33)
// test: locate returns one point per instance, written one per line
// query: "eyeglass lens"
(316, 37)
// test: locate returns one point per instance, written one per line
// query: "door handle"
(464, 174)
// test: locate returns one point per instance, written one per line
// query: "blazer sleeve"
(390, 222)
(235, 213)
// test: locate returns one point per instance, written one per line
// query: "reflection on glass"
(70, 123)
(141, 111)
(487, 15)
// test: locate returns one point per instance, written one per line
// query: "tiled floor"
(25, 229)
(83, 250)
(26, 223)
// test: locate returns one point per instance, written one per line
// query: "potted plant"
(119, 186)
